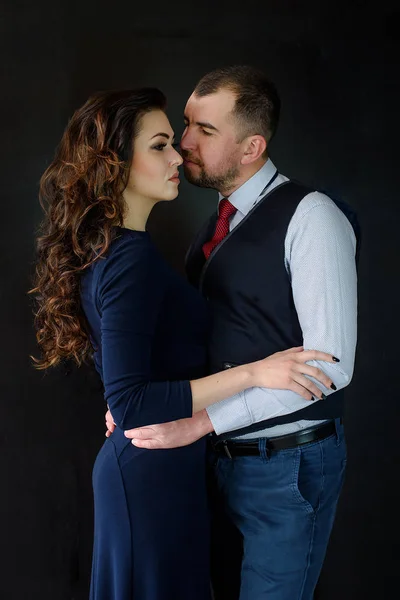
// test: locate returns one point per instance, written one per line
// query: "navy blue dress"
(149, 328)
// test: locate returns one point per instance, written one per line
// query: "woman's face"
(154, 170)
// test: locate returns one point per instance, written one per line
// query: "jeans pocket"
(303, 485)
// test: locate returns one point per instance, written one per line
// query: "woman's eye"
(159, 147)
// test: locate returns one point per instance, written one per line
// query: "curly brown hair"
(81, 195)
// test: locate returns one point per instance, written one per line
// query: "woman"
(104, 290)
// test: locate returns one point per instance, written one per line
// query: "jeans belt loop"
(265, 451)
(338, 427)
(226, 449)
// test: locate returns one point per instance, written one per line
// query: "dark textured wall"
(335, 64)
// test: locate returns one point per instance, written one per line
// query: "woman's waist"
(119, 440)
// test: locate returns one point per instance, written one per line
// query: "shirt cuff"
(229, 414)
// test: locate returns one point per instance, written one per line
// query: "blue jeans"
(272, 517)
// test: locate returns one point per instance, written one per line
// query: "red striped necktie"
(225, 211)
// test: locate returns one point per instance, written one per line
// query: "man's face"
(209, 144)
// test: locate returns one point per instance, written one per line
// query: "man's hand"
(109, 423)
(173, 434)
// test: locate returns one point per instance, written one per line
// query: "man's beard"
(223, 181)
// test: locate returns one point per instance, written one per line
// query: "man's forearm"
(252, 406)
(174, 434)
(202, 423)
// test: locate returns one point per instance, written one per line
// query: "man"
(277, 264)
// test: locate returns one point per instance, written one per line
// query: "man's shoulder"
(309, 198)
(314, 199)
(318, 214)
(316, 205)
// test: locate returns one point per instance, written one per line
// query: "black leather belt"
(231, 448)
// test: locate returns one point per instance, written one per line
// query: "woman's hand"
(286, 371)
(109, 423)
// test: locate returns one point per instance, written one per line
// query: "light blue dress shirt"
(320, 259)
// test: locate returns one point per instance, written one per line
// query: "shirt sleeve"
(320, 260)
(131, 289)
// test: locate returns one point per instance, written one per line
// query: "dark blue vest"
(248, 287)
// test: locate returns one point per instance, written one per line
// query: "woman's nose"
(176, 158)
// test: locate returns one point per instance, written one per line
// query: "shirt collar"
(244, 197)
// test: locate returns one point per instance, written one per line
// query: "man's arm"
(320, 259)
(173, 434)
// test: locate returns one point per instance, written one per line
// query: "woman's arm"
(130, 292)
(282, 370)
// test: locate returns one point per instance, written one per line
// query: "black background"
(335, 65)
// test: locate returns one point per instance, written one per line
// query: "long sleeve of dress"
(130, 292)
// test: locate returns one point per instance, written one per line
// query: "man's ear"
(254, 147)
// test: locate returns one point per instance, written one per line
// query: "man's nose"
(187, 140)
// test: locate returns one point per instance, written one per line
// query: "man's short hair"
(257, 104)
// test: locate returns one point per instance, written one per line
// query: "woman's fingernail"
(333, 386)
(335, 359)
(323, 397)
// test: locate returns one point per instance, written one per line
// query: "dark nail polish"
(335, 359)
(333, 386)
(323, 397)
(312, 398)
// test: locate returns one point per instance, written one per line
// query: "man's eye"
(205, 132)
(159, 147)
